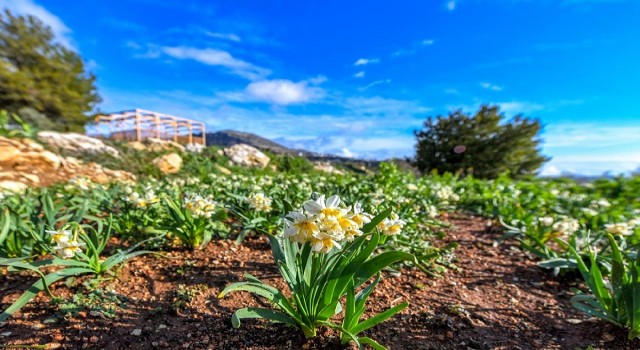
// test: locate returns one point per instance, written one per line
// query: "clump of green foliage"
(41, 77)
(483, 145)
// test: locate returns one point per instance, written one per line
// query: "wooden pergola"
(139, 125)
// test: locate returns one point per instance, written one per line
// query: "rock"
(7, 175)
(327, 168)
(137, 332)
(246, 155)
(163, 145)
(168, 163)
(223, 170)
(31, 178)
(137, 145)
(24, 162)
(12, 186)
(76, 143)
(34, 159)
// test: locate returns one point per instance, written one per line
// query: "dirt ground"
(497, 299)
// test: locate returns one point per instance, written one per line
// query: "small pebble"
(136, 332)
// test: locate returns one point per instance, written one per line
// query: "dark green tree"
(484, 145)
(40, 75)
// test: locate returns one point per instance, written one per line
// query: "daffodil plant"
(255, 214)
(325, 254)
(76, 249)
(615, 299)
(194, 222)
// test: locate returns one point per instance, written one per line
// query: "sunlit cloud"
(61, 32)
(214, 57)
(365, 61)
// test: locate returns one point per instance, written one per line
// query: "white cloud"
(550, 170)
(427, 42)
(360, 74)
(385, 107)
(451, 5)
(590, 135)
(60, 30)
(365, 61)
(516, 107)
(318, 80)
(451, 91)
(224, 36)
(347, 153)
(372, 84)
(278, 92)
(490, 86)
(214, 57)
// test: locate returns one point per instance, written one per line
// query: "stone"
(163, 145)
(74, 142)
(24, 163)
(7, 175)
(12, 186)
(223, 170)
(245, 155)
(34, 159)
(137, 145)
(327, 167)
(31, 178)
(168, 163)
(137, 332)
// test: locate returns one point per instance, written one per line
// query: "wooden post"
(175, 131)
(190, 132)
(157, 125)
(204, 135)
(137, 127)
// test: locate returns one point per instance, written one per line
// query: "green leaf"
(376, 220)
(379, 318)
(39, 286)
(372, 343)
(251, 312)
(6, 224)
(374, 265)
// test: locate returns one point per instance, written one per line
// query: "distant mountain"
(226, 138)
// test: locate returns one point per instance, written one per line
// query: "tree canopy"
(41, 77)
(484, 145)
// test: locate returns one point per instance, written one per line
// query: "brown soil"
(498, 299)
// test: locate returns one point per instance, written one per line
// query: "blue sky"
(357, 77)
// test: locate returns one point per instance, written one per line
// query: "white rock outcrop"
(76, 143)
(245, 155)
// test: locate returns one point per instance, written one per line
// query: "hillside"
(226, 138)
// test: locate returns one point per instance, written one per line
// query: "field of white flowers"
(332, 239)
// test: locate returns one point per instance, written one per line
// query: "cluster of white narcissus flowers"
(198, 206)
(392, 225)
(66, 244)
(324, 224)
(259, 202)
(144, 201)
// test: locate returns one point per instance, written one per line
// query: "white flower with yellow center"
(199, 206)
(299, 227)
(260, 202)
(621, 229)
(391, 225)
(321, 208)
(68, 250)
(546, 220)
(60, 237)
(566, 226)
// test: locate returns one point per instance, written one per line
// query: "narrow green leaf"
(379, 318)
(251, 312)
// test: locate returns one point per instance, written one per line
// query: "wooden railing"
(139, 124)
